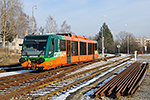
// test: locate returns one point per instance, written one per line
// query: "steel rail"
(2, 70)
(67, 77)
(123, 74)
(124, 84)
(127, 84)
(69, 69)
(8, 77)
(142, 78)
(38, 83)
(129, 92)
(130, 81)
(75, 83)
(96, 68)
(107, 85)
(119, 83)
(29, 76)
(25, 76)
(20, 91)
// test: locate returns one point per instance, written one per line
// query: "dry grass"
(11, 58)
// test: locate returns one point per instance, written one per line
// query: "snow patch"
(14, 73)
(67, 93)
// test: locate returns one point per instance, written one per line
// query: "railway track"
(29, 88)
(25, 79)
(2, 70)
(7, 68)
(30, 94)
(125, 83)
(81, 80)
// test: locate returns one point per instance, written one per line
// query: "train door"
(51, 48)
(93, 51)
(68, 52)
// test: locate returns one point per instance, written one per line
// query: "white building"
(142, 41)
(14, 45)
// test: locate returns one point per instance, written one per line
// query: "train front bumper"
(33, 68)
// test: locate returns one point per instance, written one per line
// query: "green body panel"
(47, 57)
(63, 38)
(93, 53)
(56, 55)
(69, 59)
(68, 52)
(97, 47)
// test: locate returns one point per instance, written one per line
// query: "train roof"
(66, 35)
(72, 35)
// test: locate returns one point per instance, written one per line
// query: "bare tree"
(22, 24)
(91, 37)
(9, 15)
(30, 26)
(51, 26)
(65, 28)
(13, 21)
(123, 38)
(41, 30)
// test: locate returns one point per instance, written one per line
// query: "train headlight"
(41, 60)
(21, 60)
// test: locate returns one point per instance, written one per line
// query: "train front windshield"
(34, 45)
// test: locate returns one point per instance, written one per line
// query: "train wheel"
(57, 67)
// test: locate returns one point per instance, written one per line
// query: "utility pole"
(103, 38)
(127, 40)
(33, 17)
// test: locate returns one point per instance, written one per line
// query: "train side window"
(89, 48)
(95, 46)
(62, 45)
(68, 48)
(74, 48)
(82, 48)
(51, 47)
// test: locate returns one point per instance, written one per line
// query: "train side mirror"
(20, 44)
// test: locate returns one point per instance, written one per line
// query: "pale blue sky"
(85, 16)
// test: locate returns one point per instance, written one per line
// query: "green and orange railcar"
(42, 52)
